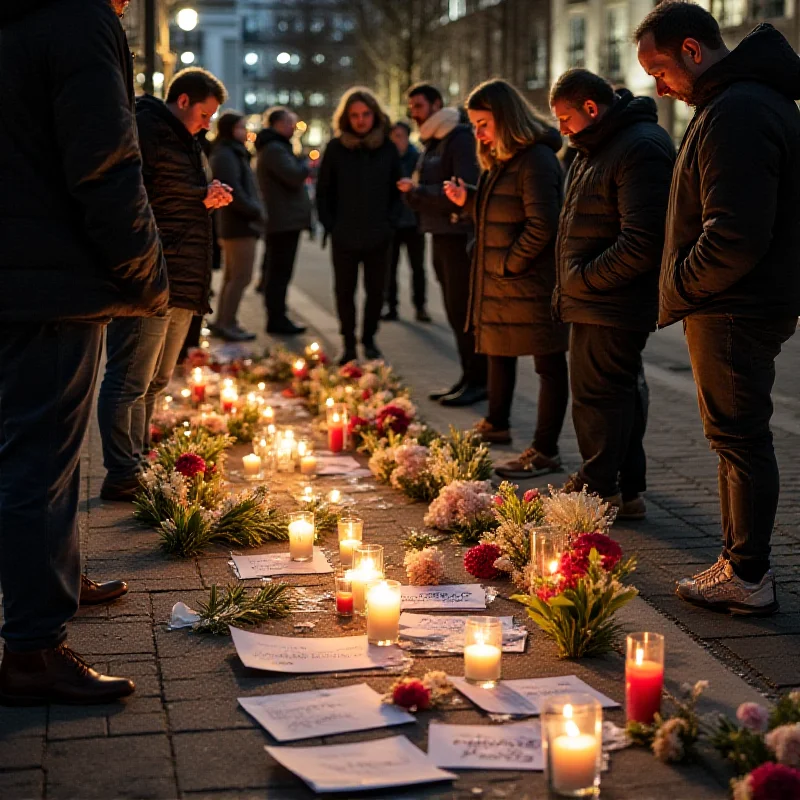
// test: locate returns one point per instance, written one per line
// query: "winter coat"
(77, 236)
(176, 182)
(449, 152)
(243, 218)
(733, 224)
(282, 179)
(611, 231)
(408, 164)
(357, 195)
(516, 207)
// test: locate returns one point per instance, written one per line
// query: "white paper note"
(455, 597)
(289, 654)
(336, 465)
(323, 712)
(486, 746)
(526, 696)
(446, 633)
(267, 564)
(378, 764)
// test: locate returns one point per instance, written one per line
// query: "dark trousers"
(733, 361)
(609, 407)
(47, 381)
(280, 251)
(346, 264)
(553, 396)
(452, 265)
(414, 242)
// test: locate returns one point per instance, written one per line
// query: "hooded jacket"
(449, 152)
(176, 182)
(77, 236)
(282, 179)
(516, 207)
(243, 218)
(733, 223)
(611, 231)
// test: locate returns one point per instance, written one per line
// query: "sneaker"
(721, 589)
(632, 509)
(492, 435)
(530, 464)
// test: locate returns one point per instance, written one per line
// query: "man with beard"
(78, 245)
(731, 267)
(608, 251)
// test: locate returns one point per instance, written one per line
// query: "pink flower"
(152, 455)
(774, 782)
(531, 495)
(784, 741)
(753, 716)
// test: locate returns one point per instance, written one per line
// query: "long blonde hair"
(516, 124)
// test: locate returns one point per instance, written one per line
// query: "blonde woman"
(516, 206)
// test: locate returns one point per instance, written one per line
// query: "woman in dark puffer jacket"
(515, 208)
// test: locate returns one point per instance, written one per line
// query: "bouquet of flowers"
(459, 456)
(464, 508)
(577, 512)
(424, 567)
(418, 694)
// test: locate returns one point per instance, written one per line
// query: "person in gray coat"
(282, 178)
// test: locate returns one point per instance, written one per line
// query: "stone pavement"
(182, 733)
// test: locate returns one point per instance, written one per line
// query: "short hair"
(226, 122)
(404, 125)
(199, 84)
(427, 90)
(275, 114)
(576, 86)
(358, 94)
(673, 21)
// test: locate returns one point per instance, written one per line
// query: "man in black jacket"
(282, 178)
(609, 245)
(731, 267)
(449, 154)
(78, 245)
(142, 351)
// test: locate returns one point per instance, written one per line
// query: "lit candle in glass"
(228, 397)
(337, 420)
(308, 461)
(301, 536)
(344, 593)
(383, 613)
(367, 570)
(251, 464)
(329, 403)
(186, 393)
(299, 369)
(483, 651)
(644, 676)
(334, 497)
(267, 415)
(546, 547)
(351, 530)
(198, 385)
(262, 386)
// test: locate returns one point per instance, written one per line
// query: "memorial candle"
(301, 536)
(299, 369)
(483, 641)
(383, 613)
(198, 385)
(251, 464)
(228, 397)
(644, 676)
(367, 570)
(335, 432)
(344, 593)
(573, 760)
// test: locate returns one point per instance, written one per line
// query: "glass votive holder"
(301, 535)
(368, 556)
(344, 593)
(251, 466)
(383, 613)
(546, 547)
(644, 676)
(337, 427)
(367, 570)
(572, 738)
(351, 531)
(483, 651)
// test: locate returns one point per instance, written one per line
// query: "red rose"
(356, 423)
(411, 693)
(607, 548)
(351, 371)
(479, 561)
(392, 418)
(774, 782)
(190, 464)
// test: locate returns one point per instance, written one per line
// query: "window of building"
(730, 13)
(536, 68)
(316, 99)
(576, 51)
(456, 9)
(613, 67)
(317, 25)
(346, 61)
(318, 58)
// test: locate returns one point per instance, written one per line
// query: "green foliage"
(745, 749)
(460, 456)
(422, 489)
(187, 532)
(153, 507)
(208, 446)
(786, 711)
(235, 607)
(470, 534)
(243, 425)
(419, 540)
(248, 521)
(515, 509)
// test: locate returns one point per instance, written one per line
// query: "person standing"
(282, 176)
(142, 352)
(407, 235)
(610, 237)
(239, 225)
(731, 267)
(358, 205)
(79, 245)
(449, 153)
(515, 207)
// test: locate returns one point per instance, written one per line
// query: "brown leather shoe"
(490, 434)
(56, 675)
(93, 593)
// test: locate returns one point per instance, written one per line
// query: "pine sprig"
(242, 426)
(187, 532)
(233, 606)
(208, 446)
(250, 522)
(325, 520)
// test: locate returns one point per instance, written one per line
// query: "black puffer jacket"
(77, 236)
(733, 226)
(516, 208)
(611, 231)
(243, 218)
(176, 182)
(357, 195)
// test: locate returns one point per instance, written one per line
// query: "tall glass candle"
(198, 385)
(228, 398)
(644, 676)
(351, 531)
(344, 593)
(367, 570)
(383, 613)
(337, 420)
(301, 535)
(546, 547)
(252, 465)
(483, 650)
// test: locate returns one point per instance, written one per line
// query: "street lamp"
(283, 58)
(251, 59)
(187, 57)
(186, 19)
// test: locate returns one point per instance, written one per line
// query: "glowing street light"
(186, 19)
(251, 59)
(187, 57)
(283, 58)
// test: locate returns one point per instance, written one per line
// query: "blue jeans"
(47, 380)
(141, 355)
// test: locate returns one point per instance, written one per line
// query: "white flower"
(784, 741)
(668, 743)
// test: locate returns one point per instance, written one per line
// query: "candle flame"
(639, 656)
(336, 418)
(553, 566)
(271, 430)
(263, 442)
(227, 383)
(185, 392)
(308, 491)
(329, 402)
(314, 347)
(168, 399)
(568, 711)
(197, 373)
(335, 496)
(299, 364)
(302, 448)
(262, 386)
(572, 729)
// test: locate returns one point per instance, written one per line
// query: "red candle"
(335, 434)
(344, 603)
(644, 681)
(199, 392)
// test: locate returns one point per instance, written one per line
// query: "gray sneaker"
(720, 589)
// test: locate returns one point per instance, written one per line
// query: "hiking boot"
(492, 435)
(719, 588)
(632, 508)
(529, 464)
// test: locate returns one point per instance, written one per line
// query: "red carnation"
(411, 693)
(606, 547)
(547, 592)
(479, 561)
(774, 782)
(356, 423)
(392, 418)
(350, 371)
(498, 500)
(190, 464)
(531, 495)
(366, 394)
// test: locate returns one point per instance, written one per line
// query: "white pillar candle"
(301, 540)
(363, 578)
(308, 464)
(251, 464)
(346, 547)
(383, 613)
(573, 760)
(482, 663)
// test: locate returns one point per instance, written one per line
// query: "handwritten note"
(446, 633)
(455, 597)
(378, 764)
(287, 654)
(323, 712)
(336, 465)
(266, 564)
(486, 746)
(525, 697)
